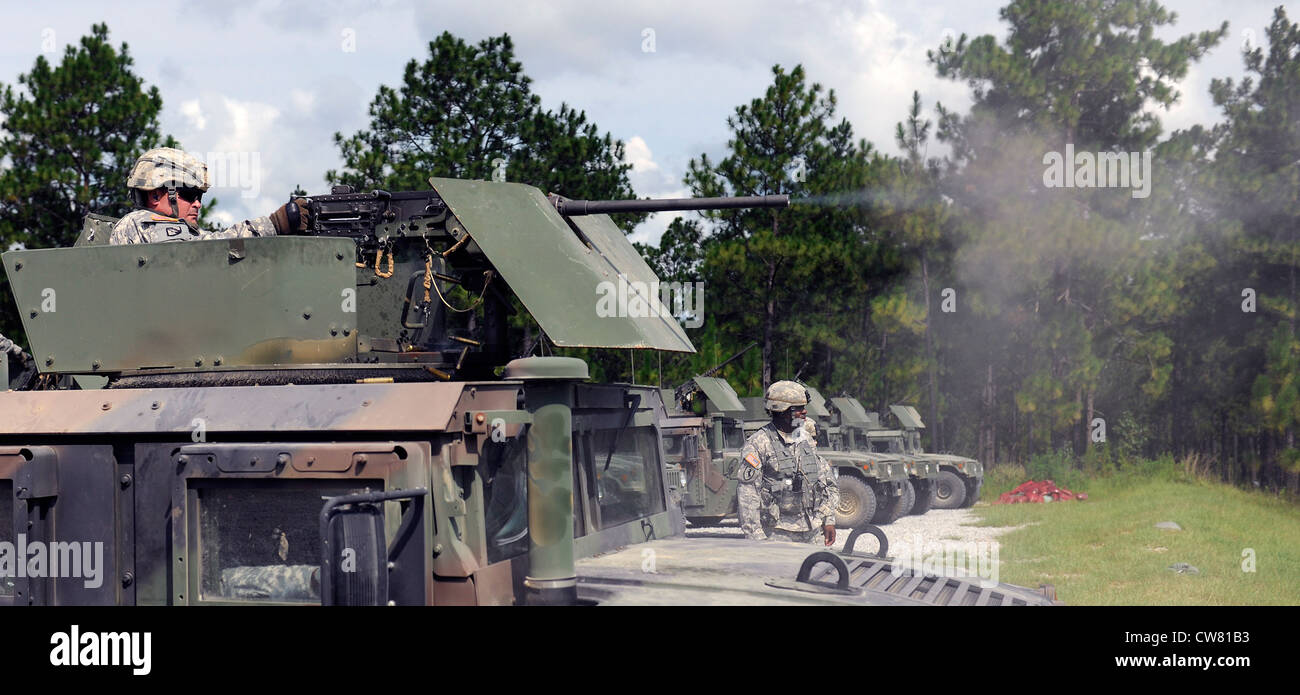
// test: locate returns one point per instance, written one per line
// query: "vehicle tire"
(896, 507)
(883, 501)
(924, 496)
(949, 491)
(907, 501)
(857, 503)
(972, 492)
(705, 521)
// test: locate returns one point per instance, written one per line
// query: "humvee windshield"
(887, 445)
(262, 542)
(674, 447)
(503, 466)
(733, 434)
(914, 442)
(630, 487)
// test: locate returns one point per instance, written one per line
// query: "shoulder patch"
(752, 459)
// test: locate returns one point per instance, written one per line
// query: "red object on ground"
(1030, 491)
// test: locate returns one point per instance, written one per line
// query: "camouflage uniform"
(147, 227)
(170, 169)
(786, 491)
(272, 582)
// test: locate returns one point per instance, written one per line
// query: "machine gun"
(347, 213)
(415, 242)
(683, 393)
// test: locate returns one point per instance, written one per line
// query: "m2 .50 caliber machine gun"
(684, 394)
(413, 251)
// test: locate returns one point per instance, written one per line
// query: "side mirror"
(357, 566)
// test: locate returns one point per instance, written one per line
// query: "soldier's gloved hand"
(293, 217)
(828, 531)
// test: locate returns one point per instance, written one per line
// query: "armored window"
(262, 542)
(880, 446)
(7, 536)
(579, 518)
(503, 466)
(733, 434)
(673, 449)
(626, 474)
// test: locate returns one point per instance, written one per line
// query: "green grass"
(1107, 551)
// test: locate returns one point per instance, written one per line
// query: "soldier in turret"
(167, 187)
(786, 491)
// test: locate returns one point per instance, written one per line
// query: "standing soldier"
(167, 187)
(786, 491)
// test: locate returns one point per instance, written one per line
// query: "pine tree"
(71, 134)
(469, 112)
(787, 277)
(1075, 280)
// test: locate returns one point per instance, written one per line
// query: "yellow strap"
(428, 277)
(379, 258)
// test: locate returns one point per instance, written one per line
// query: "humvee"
(297, 420)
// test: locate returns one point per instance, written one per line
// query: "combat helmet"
(168, 168)
(783, 394)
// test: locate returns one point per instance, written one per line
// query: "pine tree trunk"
(988, 429)
(884, 369)
(769, 317)
(936, 428)
(1074, 435)
(1087, 423)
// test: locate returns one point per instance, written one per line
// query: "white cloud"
(193, 114)
(637, 153)
(303, 102)
(249, 122)
(291, 87)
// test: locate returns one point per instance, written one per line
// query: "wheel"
(705, 521)
(924, 496)
(949, 491)
(973, 492)
(857, 503)
(906, 502)
(896, 507)
(883, 502)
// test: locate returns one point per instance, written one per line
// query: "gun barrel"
(569, 207)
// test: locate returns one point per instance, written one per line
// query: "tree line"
(1026, 299)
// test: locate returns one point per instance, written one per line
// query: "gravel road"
(933, 527)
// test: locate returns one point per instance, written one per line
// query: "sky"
(273, 81)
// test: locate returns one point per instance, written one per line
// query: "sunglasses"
(190, 195)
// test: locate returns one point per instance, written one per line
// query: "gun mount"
(683, 394)
(407, 285)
